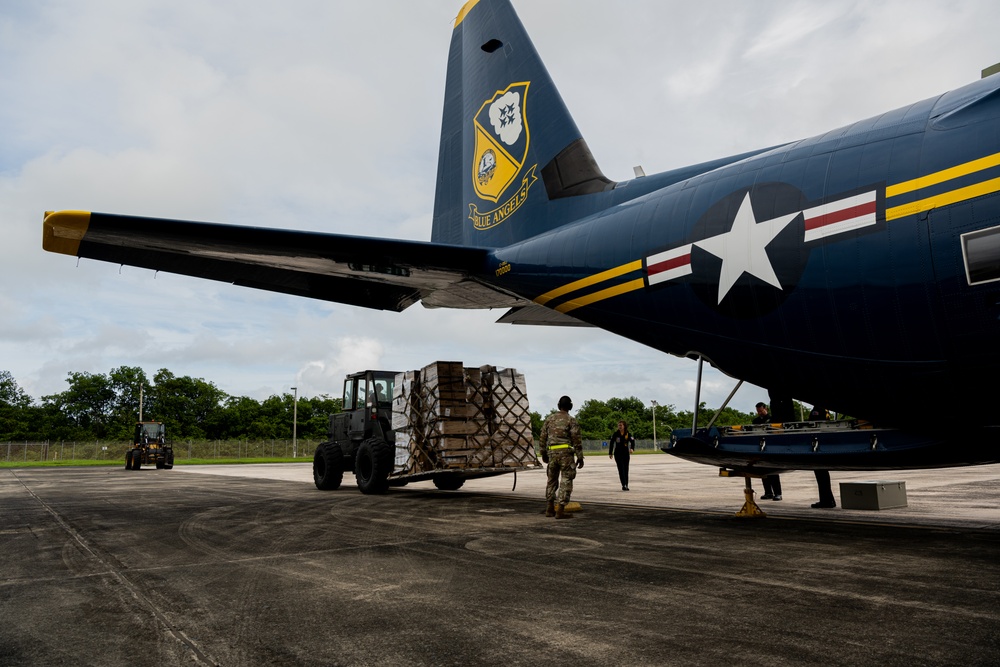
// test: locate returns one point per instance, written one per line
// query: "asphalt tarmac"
(251, 565)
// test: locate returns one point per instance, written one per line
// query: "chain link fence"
(640, 445)
(98, 450)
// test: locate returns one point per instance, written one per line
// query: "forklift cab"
(149, 433)
(368, 389)
(365, 395)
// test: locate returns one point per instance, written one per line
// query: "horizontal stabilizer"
(374, 273)
(540, 315)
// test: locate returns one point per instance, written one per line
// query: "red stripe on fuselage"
(669, 264)
(841, 215)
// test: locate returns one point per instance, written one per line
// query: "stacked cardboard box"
(406, 418)
(446, 416)
(448, 421)
(501, 398)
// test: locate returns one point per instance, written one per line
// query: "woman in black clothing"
(622, 445)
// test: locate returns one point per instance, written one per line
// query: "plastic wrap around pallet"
(448, 417)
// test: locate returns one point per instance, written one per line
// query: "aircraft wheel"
(373, 465)
(449, 482)
(328, 466)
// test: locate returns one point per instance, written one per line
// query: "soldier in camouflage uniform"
(559, 442)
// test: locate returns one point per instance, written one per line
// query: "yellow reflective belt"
(559, 446)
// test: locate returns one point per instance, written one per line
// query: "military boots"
(561, 512)
(550, 508)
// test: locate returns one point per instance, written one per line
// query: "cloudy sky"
(324, 115)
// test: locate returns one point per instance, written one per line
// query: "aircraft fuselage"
(830, 268)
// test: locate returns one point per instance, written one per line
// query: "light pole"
(654, 423)
(295, 419)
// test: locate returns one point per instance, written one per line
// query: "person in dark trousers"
(621, 448)
(772, 483)
(826, 499)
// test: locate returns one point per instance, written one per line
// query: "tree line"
(599, 419)
(98, 406)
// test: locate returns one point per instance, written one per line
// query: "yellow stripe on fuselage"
(62, 231)
(593, 297)
(588, 281)
(943, 199)
(943, 175)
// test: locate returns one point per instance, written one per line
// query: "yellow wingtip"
(62, 231)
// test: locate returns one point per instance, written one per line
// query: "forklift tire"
(128, 460)
(449, 482)
(170, 461)
(136, 459)
(372, 466)
(328, 466)
(159, 465)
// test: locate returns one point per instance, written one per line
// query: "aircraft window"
(981, 250)
(491, 46)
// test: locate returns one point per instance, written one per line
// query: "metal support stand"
(697, 396)
(697, 400)
(750, 508)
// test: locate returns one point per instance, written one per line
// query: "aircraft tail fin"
(509, 146)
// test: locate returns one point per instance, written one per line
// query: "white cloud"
(348, 355)
(791, 25)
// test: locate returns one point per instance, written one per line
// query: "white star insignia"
(742, 248)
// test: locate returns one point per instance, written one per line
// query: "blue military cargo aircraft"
(857, 269)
